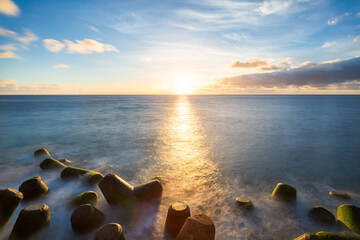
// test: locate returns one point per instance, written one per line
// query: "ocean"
(206, 150)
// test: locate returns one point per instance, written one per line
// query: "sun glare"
(183, 87)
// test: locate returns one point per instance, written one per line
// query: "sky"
(180, 47)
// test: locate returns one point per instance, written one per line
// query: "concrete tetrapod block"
(284, 192)
(9, 201)
(308, 236)
(177, 214)
(150, 189)
(339, 194)
(89, 197)
(51, 163)
(349, 215)
(30, 220)
(338, 236)
(110, 231)
(86, 217)
(322, 215)
(33, 187)
(244, 202)
(199, 227)
(115, 189)
(42, 152)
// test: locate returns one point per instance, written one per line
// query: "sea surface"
(206, 150)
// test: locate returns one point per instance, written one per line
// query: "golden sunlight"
(183, 87)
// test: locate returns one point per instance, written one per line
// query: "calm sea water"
(207, 150)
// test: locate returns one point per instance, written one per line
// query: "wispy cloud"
(25, 39)
(94, 29)
(86, 46)
(262, 64)
(329, 44)
(330, 73)
(8, 54)
(9, 8)
(357, 38)
(337, 19)
(8, 47)
(274, 7)
(60, 65)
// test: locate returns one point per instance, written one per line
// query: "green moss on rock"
(349, 215)
(51, 163)
(94, 177)
(90, 197)
(338, 236)
(73, 172)
(284, 192)
(308, 236)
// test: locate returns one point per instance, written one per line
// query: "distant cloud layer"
(86, 46)
(342, 73)
(262, 64)
(8, 54)
(329, 44)
(9, 8)
(61, 66)
(26, 39)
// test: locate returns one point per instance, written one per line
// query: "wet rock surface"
(177, 214)
(33, 187)
(115, 189)
(110, 231)
(86, 217)
(199, 227)
(9, 201)
(284, 192)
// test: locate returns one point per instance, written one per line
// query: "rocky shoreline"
(179, 225)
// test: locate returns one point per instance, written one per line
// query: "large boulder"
(148, 190)
(308, 236)
(30, 220)
(9, 201)
(110, 231)
(322, 215)
(115, 189)
(244, 202)
(177, 214)
(42, 153)
(349, 215)
(284, 192)
(338, 236)
(51, 163)
(90, 197)
(33, 187)
(199, 227)
(86, 217)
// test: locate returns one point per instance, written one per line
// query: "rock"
(33, 187)
(338, 194)
(284, 192)
(177, 214)
(199, 227)
(115, 189)
(349, 215)
(70, 172)
(90, 197)
(244, 202)
(30, 220)
(9, 201)
(308, 236)
(322, 215)
(65, 161)
(148, 190)
(42, 152)
(51, 163)
(110, 231)
(338, 236)
(86, 217)
(94, 177)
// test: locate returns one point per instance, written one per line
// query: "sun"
(183, 87)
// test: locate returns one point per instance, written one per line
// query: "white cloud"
(26, 39)
(357, 38)
(60, 65)
(329, 44)
(8, 47)
(336, 20)
(53, 45)
(236, 36)
(86, 46)
(94, 29)
(8, 7)
(8, 54)
(262, 64)
(274, 7)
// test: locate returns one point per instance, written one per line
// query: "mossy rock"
(338, 236)
(42, 152)
(89, 197)
(71, 172)
(9, 201)
(338, 194)
(308, 236)
(94, 177)
(284, 192)
(322, 215)
(244, 202)
(116, 190)
(33, 187)
(349, 215)
(51, 163)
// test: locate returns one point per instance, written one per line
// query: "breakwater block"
(33, 187)
(42, 153)
(30, 220)
(308, 236)
(284, 192)
(89, 197)
(51, 163)
(115, 189)
(349, 215)
(150, 189)
(86, 217)
(9, 201)
(177, 214)
(199, 227)
(110, 231)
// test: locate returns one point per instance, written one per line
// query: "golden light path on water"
(183, 161)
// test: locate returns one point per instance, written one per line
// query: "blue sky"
(166, 47)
